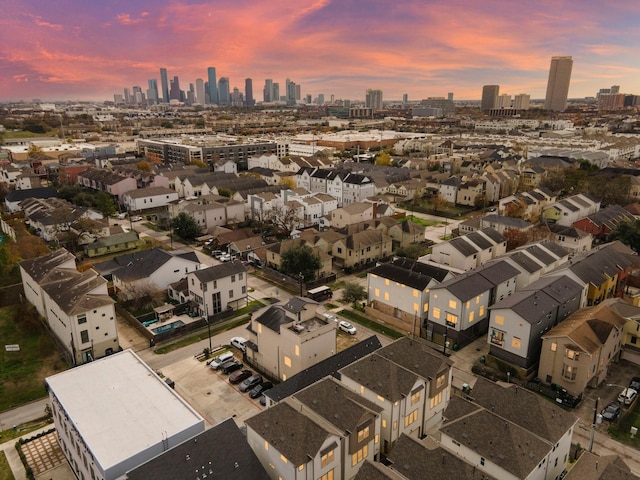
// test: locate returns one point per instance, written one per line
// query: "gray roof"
(494, 235)
(290, 432)
(559, 287)
(217, 272)
(415, 276)
(73, 291)
(539, 254)
(376, 471)
(137, 265)
(498, 271)
(41, 267)
(465, 248)
(222, 448)
(329, 366)
(530, 305)
(115, 239)
(525, 261)
(382, 376)
(298, 304)
(273, 318)
(467, 286)
(416, 356)
(479, 240)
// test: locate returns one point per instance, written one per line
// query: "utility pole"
(593, 425)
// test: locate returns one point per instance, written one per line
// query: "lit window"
(377, 292)
(327, 476)
(395, 425)
(415, 293)
(453, 304)
(266, 445)
(440, 381)
(415, 397)
(477, 299)
(468, 303)
(416, 307)
(301, 467)
(380, 398)
(481, 312)
(360, 455)
(363, 434)
(284, 459)
(297, 350)
(386, 281)
(411, 418)
(425, 308)
(499, 319)
(471, 314)
(554, 346)
(361, 389)
(572, 354)
(284, 377)
(386, 296)
(515, 343)
(435, 401)
(377, 439)
(287, 361)
(326, 459)
(436, 312)
(384, 423)
(452, 319)
(259, 328)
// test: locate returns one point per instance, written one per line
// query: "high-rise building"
(298, 91)
(489, 97)
(521, 101)
(558, 84)
(373, 99)
(268, 91)
(504, 101)
(127, 96)
(174, 90)
(213, 86)
(405, 98)
(223, 91)
(248, 92)
(291, 92)
(237, 99)
(450, 96)
(275, 92)
(138, 97)
(200, 98)
(152, 91)
(164, 83)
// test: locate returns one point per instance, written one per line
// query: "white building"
(114, 414)
(219, 288)
(148, 198)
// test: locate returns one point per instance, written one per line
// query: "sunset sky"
(91, 49)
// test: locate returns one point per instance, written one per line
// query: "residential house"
(398, 292)
(218, 288)
(149, 198)
(472, 193)
(361, 248)
(118, 242)
(578, 352)
(409, 380)
(210, 210)
(590, 466)
(518, 322)
(601, 223)
(570, 238)
(448, 189)
(135, 274)
(76, 305)
(350, 214)
(14, 198)
(292, 446)
(532, 176)
(508, 432)
(501, 223)
(470, 250)
(275, 252)
(571, 209)
(289, 338)
(536, 259)
(114, 184)
(631, 312)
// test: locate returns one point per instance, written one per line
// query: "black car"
(238, 377)
(251, 382)
(231, 366)
(635, 384)
(611, 411)
(260, 389)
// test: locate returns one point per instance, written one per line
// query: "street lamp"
(208, 325)
(593, 424)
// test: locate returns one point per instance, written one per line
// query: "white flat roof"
(120, 406)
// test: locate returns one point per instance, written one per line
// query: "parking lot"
(619, 376)
(210, 393)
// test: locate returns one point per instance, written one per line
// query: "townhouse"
(218, 288)
(601, 223)
(469, 251)
(571, 209)
(148, 198)
(361, 248)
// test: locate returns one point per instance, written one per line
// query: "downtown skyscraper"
(248, 92)
(213, 86)
(558, 84)
(164, 83)
(373, 99)
(490, 95)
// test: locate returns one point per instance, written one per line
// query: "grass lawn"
(420, 221)
(375, 326)
(5, 470)
(630, 418)
(22, 373)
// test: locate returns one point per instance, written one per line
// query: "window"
(571, 354)
(471, 314)
(481, 313)
(244, 289)
(84, 336)
(415, 397)
(363, 434)
(284, 459)
(415, 292)
(230, 293)
(386, 282)
(233, 278)
(453, 304)
(386, 296)
(440, 381)
(425, 308)
(554, 346)
(326, 459)
(416, 307)
(328, 475)
(287, 361)
(384, 423)
(481, 460)
(436, 312)
(452, 319)
(380, 398)
(360, 455)
(569, 372)
(515, 343)
(377, 292)
(82, 318)
(435, 401)
(411, 418)
(240, 276)
(297, 350)
(499, 319)
(497, 337)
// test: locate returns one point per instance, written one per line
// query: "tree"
(301, 259)
(287, 182)
(628, 233)
(143, 166)
(185, 227)
(439, 203)
(515, 238)
(34, 151)
(383, 158)
(105, 204)
(353, 293)
(515, 209)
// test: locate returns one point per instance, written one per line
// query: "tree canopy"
(185, 227)
(353, 293)
(299, 260)
(628, 233)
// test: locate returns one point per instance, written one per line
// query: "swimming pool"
(167, 327)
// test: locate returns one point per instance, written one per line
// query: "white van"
(217, 362)
(239, 343)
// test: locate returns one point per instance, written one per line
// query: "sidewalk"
(9, 449)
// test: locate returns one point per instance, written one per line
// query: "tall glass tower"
(164, 82)
(248, 92)
(558, 84)
(213, 86)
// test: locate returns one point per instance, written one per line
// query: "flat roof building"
(116, 413)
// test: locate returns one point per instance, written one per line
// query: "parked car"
(237, 377)
(239, 343)
(611, 411)
(217, 362)
(225, 257)
(263, 400)
(231, 366)
(627, 396)
(251, 382)
(635, 384)
(330, 317)
(347, 327)
(136, 219)
(260, 389)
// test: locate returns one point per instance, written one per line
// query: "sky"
(92, 49)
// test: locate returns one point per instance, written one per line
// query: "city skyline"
(78, 51)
